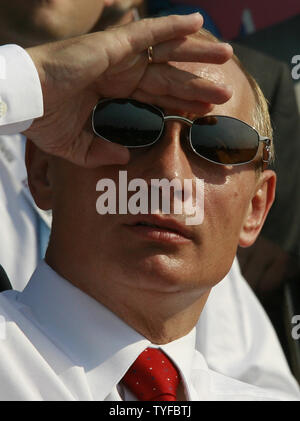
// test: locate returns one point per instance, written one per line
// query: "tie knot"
(153, 377)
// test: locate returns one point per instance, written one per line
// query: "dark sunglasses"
(217, 138)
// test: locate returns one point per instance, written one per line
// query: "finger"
(167, 80)
(102, 152)
(147, 32)
(173, 103)
(192, 49)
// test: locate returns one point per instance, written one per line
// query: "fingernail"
(197, 14)
(226, 45)
(229, 46)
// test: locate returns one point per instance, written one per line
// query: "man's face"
(33, 22)
(113, 248)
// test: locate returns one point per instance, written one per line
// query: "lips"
(164, 224)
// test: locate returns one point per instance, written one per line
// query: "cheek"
(225, 208)
(74, 190)
(75, 196)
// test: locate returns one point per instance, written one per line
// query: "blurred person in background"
(36, 22)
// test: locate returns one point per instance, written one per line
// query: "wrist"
(36, 56)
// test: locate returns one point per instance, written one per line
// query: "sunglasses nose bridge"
(184, 120)
(178, 118)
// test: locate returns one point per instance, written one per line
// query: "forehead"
(241, 104)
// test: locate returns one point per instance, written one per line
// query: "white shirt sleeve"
(21, 98)
(238, 340)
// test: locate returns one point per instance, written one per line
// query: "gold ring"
(150, 54)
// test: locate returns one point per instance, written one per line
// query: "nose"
(167, 158)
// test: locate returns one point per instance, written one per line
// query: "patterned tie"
(152, 377)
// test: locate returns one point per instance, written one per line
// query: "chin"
(163, 273)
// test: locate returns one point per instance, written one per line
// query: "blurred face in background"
(31, 22)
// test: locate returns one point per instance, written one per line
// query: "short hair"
(261, 116)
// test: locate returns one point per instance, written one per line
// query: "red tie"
(152, 377)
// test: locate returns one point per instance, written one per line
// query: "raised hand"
(76, 73)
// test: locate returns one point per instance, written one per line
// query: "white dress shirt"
(19, 250)
(61, 344)
(21, 101)
(237, 338)
(21, 98)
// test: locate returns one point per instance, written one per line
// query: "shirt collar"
(91, 335)
(181, 352)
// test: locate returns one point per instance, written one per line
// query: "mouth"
(158, 228)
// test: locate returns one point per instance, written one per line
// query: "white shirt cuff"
(21, 98)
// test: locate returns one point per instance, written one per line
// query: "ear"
(259, 207)
(37, 164)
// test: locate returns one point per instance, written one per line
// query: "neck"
(172, 314)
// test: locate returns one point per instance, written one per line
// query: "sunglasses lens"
(224, 140)
(127, 122)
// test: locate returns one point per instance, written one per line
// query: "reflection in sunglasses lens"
(224, 139)
(128, 123)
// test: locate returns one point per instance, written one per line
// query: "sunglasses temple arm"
(266, 151)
